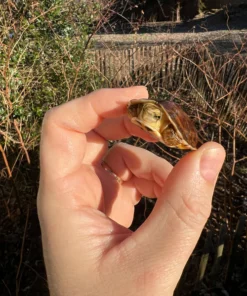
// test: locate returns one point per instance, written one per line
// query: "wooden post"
(178, 8)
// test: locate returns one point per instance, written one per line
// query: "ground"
(221, 25)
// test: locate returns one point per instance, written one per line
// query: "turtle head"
(148, 115)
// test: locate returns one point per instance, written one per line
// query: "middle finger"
(120, 128)
(111, 129)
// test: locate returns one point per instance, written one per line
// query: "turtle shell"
(165, 121)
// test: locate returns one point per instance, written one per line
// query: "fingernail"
(211, 163)
(140, 90)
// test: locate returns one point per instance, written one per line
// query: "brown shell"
(180, 133)
(181, 122)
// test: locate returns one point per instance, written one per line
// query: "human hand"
(84, 212)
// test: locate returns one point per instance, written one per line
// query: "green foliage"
(44, 59)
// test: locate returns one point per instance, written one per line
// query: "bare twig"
(5, 161)
(21, 141)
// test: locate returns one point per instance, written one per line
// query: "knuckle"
(196, 212)
(47, 123)
(49, 118)
(100, 92)
(191, 212)
(49, 115)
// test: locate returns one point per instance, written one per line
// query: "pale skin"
(85, 213)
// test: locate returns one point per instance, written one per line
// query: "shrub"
(44, 61)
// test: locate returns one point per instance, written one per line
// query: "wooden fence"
(217, 81)
(144, 62)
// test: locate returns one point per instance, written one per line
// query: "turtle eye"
(157, 117)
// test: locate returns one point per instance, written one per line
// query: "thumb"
(169, 235)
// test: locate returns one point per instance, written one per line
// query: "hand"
(84, 212)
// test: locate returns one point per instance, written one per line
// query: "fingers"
(128, 162)
(63, 133)
(110, 129)
(125, 128)
(141, 172)
(174, 226)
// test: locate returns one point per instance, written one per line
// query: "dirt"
(222, 27)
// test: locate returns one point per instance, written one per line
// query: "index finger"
(64, 127)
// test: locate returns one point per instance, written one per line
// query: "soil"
(222, 26)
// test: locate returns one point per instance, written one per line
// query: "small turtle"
(165, 121)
